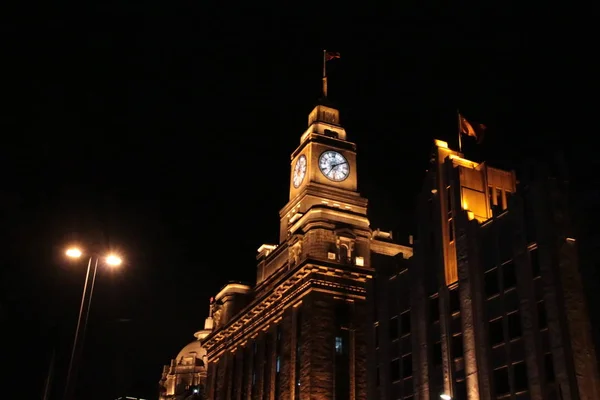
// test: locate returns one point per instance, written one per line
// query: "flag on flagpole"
(466, 128)
(330, 55)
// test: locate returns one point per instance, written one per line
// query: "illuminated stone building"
(303, 330)
(496, 299)
(185, 377)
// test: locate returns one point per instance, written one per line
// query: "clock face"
(299, 170)
(334, 166)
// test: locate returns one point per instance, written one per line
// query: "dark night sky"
(164, 130)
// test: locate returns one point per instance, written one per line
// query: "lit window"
(360, 261)
(339, 346)
(278, 367)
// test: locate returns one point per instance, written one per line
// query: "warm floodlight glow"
(113, 260)
(73, 253)
(445, 397)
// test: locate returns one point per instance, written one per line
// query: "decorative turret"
(187, 372)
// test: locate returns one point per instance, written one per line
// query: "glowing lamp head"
(113, 260)
(73, 253)
(445, 397)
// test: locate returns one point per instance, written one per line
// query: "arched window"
(344, 256)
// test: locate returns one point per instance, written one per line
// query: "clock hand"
(336, 165)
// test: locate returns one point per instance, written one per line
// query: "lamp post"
(111, 260)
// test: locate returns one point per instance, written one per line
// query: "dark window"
(535, 262)
(488, 252)
(491, 195)
(521, 381)
(437, 353)
(454, 300)
(266, 368)
(451, 230)
(253, 388)
(542, 319)
(514, 325)
(496, 335)
(449, 198)
(491, 286)
(342, 313)
(376, 336)
(339, 345)
(456, 324)
(299, 350)
(245, 372)
(501, 381)
(434, 309)
(457, 346)
(405, 323)
(278, 352)
(394, 328)
(234, 372)
(395, 369)
(530, 228)
(344, 254)
(509, 196)
(509, 276)
(549, 366)
(377, 378)
(407, 388)
(342, 355)
(461, 390)
(216, 381)
(499, 198)
(407, 366)
(505, 242)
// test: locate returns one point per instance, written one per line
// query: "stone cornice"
(320, 190)
(390, 249)
(348, 282)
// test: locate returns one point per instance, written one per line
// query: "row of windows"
(499, 279)
(504, 277)
(434, 304)
(520, 381)
(399, 326)
(502, 381)
(401, 368)
(456, 350)
(496, 328)
(513, 321)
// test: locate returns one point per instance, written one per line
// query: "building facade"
(185, 377)
(493, 305)
(303, 330)
(495, 293)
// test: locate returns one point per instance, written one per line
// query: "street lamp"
(111, 260)
(445, 396)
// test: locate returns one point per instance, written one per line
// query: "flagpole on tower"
(459, 131)
(324, 73)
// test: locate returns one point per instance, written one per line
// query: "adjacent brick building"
(496, 295)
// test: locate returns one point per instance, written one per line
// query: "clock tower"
(323, 172)
(303, 331)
